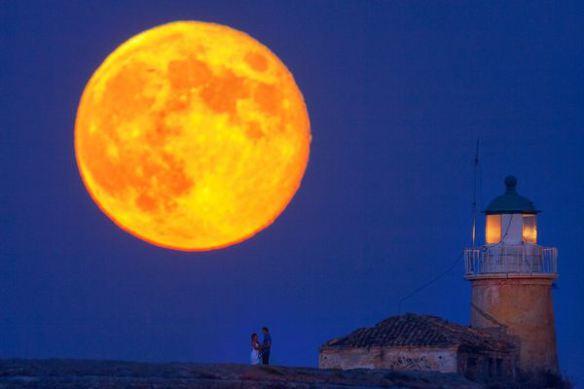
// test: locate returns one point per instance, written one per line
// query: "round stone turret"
(512, 276)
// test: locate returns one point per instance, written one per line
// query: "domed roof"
(510, 201)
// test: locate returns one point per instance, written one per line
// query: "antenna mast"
(474, 195)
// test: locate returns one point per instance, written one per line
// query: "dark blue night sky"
(397, 92)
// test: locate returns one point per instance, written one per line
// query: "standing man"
(266, 346)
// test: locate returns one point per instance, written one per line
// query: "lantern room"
(511, 218)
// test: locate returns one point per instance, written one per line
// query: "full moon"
(192, 136)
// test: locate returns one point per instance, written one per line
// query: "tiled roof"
(420, 330)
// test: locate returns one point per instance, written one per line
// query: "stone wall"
(442, 360)
(524, 307)
(474, 364)
(487, 365)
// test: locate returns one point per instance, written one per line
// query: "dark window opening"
(499, 367)
(471, 368)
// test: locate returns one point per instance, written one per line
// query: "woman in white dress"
(255, 349)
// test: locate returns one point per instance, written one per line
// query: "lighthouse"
(511, 278)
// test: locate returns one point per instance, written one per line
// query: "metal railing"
(520, 259)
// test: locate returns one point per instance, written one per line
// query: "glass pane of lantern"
(493, 229)
(529, 229)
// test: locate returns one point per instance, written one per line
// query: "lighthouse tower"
(511, 277)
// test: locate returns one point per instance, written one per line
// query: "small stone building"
(423, 343)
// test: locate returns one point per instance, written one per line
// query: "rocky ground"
(111, 374)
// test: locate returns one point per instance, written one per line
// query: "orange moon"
(192, 136)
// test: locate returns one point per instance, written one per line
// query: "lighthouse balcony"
(511, 261)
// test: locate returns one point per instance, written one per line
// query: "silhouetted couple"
(260, 352)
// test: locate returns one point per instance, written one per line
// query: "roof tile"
(420, 330)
